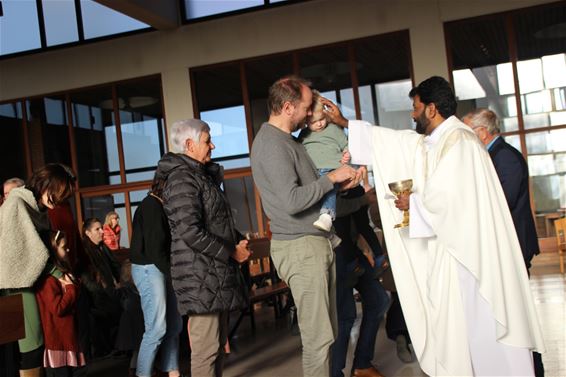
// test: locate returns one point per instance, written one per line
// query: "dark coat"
(205, 278)
(151, 237)
(513, 173)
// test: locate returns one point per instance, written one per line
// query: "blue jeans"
(374, 305)
(161, 318)
(329, 199)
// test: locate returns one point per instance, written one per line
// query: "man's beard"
(422, 124)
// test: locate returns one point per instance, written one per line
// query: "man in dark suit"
(513, 173)
(514, 176)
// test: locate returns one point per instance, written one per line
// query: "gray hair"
(18, 181)
(484, 118)
(186, 129)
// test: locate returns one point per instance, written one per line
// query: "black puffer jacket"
(205, 278)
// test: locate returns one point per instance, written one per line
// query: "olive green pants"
(307, 266)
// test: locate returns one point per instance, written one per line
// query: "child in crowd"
(56, 299)
(325, 143)
(112, 231)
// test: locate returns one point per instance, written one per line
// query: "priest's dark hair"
(438, 91)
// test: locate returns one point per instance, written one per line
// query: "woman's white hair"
(186, 129)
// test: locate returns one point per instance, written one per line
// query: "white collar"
(432, 139)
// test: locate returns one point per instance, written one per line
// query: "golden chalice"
(398, 188)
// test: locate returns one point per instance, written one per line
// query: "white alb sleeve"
(419, 223)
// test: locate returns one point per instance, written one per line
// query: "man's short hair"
(438, 91)
(484, 118)
(17, 181)
(286, 89)
(186, 129)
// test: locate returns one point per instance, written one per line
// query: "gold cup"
(398, 188)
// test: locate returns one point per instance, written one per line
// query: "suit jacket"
(514, 176)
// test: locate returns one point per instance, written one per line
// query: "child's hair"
(55, 238)
(316, 103)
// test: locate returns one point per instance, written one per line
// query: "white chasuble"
(470, 250)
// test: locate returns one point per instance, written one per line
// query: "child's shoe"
(324, 222)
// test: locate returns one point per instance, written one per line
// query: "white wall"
(171, 53)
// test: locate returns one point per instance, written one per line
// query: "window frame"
(511, 34)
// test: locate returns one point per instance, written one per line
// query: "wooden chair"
(263, 282)
(560, 228)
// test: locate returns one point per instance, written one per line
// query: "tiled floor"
(549, 291)
(275, 352)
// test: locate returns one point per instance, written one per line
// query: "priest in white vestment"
(458, 267)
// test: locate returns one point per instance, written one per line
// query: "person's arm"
(115, 266)
(58, 300)
(108, 236)
(186, 210)
(510, 172)
(333, 113)
(419, 224)
(279, 171)
(156, 236)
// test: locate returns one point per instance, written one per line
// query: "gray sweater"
(288, 183)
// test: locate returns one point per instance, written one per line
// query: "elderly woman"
(205, 246)
(24, 254)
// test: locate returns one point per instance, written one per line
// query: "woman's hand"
(66, 279)
(242, 252)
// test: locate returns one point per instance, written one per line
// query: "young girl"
(56, 298)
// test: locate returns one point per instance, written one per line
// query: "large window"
(48, 132)
(219, 102)
(12, 140)
(329, 70)
(368, 78)
(260, 74)
(28, 25)
(515, 64)
(111, 135)
(142, 127)
(383, 66)
(203, 9)
(57, 32)
(19, 28)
